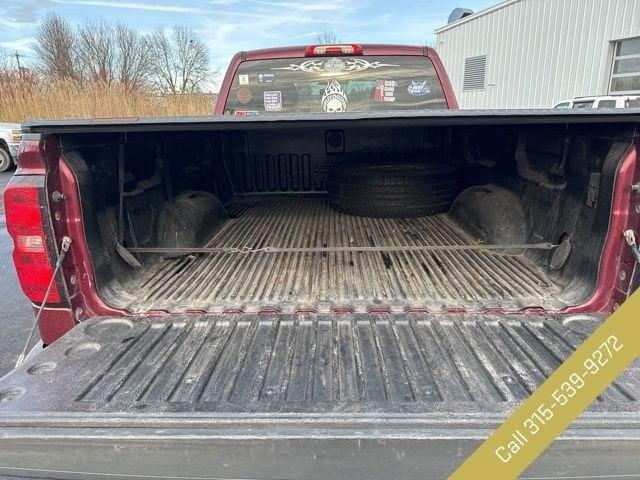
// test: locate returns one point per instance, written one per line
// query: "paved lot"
(17, 316)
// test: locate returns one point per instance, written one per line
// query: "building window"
(475, 73)
(625, 73)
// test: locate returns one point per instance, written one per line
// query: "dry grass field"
(25, 98)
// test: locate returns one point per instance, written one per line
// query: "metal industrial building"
(533, 53)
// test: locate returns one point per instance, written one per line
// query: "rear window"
(607, 104)
(335, 84)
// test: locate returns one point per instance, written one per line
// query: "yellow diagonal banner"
(560, 399)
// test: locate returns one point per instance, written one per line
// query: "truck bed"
(288, 246)
(386, 276)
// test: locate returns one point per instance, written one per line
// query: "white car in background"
(10, 136)
(601, 101)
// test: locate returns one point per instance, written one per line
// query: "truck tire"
(393, 190)
(5, 160)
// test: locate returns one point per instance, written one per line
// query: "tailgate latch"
(630, 237)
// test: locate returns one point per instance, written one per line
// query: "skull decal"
(334, 99)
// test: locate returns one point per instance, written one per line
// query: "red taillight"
(332, 50)
(30, 253)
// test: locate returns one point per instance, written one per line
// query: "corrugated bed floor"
(295, 363)
(393, 281)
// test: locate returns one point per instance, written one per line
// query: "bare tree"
(97, 52)
(180, 60)
(5, 61)
(133, 58)
(7, 73)
(327, 37)
(54, 47)
(174, 61)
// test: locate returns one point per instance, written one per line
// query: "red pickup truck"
(343, 277)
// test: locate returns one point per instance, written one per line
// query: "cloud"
(168, 8)
(20, 44)
(324, 6)
(27, 11)
(355, 26)
(134, 6)
(290, 19)
(217, 33)
(17, 24)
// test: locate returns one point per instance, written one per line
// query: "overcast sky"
(228, 26)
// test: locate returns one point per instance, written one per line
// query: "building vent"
(475, 72)
(458, 14)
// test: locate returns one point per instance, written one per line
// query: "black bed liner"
(348, 119)
(305, 363)
(290, 397)
(390, 278)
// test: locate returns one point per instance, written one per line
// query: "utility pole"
(17, 55)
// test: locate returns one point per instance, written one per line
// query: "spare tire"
(393, 190)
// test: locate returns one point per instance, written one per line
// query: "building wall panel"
(538, 51)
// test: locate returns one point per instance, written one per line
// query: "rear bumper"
(294, 447)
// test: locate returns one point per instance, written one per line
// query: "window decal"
(334, 99)
(335, 65)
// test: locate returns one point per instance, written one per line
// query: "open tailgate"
(290, 397)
